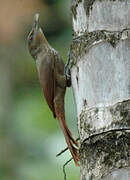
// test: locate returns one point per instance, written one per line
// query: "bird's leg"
(66, 69)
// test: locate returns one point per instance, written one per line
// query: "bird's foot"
(67, 69)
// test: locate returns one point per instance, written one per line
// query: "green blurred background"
(30, 137)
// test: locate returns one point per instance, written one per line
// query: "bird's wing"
(48, 82)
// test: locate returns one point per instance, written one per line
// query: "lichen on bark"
(117, 116)
(80, 45)
(104, 153)
(88, 4)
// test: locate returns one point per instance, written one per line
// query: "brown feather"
(51, 74)
(54, 95)
(48, 81)
(68, 137)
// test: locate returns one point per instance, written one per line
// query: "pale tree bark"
(100, 74)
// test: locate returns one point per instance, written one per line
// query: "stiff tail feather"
(68, 137)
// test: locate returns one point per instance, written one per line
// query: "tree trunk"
(100, 74)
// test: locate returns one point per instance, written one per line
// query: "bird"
(50, 67)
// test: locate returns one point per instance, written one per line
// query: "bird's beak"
(36, 24)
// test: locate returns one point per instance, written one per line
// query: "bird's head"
(35, 38)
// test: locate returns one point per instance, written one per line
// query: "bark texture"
(101, 82)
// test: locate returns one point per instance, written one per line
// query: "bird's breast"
(38, 65)
(45, 68)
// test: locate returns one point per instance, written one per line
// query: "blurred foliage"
(30, 137)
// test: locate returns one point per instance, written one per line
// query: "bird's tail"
(72, 144)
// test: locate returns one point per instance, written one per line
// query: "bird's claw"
(67, 73)
(67, 70)
(68, 65)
